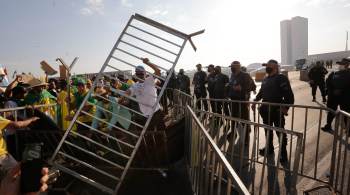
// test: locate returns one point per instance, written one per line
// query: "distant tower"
(294, 40)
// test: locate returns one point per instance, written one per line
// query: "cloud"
(347, 5)
(92, 7)
(126, 3)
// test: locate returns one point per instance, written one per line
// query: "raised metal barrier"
(209, 170)
(118, 147)
(175, 103)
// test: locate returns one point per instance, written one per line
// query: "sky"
(244, 30)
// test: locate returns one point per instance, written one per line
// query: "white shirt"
(146, 95)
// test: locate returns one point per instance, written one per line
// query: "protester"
(338, 88)
(275, 88)
(199, 81)
(52, 88)
(7, 162)
(317, 79)
(107, 107)
(145, 92)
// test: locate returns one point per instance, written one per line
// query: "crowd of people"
(114, 96)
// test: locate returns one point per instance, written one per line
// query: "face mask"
(269, 70)
(341, 67)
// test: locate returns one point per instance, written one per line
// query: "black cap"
(272, 61)
(211, 66)
(235, 63)
(344, 61)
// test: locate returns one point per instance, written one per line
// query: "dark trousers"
(240, 110)
(333, 104)
(273, 117)
(199, 103)
(321, 86)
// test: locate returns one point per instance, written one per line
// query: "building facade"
(294, 40)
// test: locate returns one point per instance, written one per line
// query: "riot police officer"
(275, 88)
(199, 81)
(317, 79)
(338, 88)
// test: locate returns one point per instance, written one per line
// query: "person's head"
(271, 67)
(343, 64)
(62, 84)
(217, 69)
(121, 77)
(101, 94)
(36, 85)
(52, 84)
(199, 67)
(88, 84)
(235, 67)
(81, 86)
(140, 73)
(18, 92)
(181, 72)
(211, 68)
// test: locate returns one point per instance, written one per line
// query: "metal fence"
(340, 166)
(209, 170)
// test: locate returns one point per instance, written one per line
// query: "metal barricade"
(209, 170)
(316, 144)
(101, 151)
(175, 102)
(14, 113)
(340, 166)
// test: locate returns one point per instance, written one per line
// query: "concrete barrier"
(304, 76)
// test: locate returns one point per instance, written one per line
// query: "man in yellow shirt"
(6, 160)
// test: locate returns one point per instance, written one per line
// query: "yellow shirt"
(3, 124)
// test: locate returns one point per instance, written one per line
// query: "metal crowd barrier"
(340, 166)
(117, 148)
(209, 170)
(316, 144)
(175, 102)
(14, 113)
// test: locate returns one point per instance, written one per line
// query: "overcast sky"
(244, 30)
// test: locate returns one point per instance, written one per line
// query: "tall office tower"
(294, 40)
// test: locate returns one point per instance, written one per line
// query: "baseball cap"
(199, 65)
(140, 69)
(272, 61)
(344, 61)
(211, 66)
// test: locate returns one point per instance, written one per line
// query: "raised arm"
(153, 66)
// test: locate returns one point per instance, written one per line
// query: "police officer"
(199, 81)
(275, 88)
(211, 85)
(239, 88)
(183, 82)
(317, 79)
(219, 90)
(338, 88)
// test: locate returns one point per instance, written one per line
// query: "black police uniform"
(275, 89)
(210, 88)
(338, 88)
(184, 83)
(317, 76)
(220, 93)
(199, 80)
(247, 84)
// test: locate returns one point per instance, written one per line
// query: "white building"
(294, 40)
